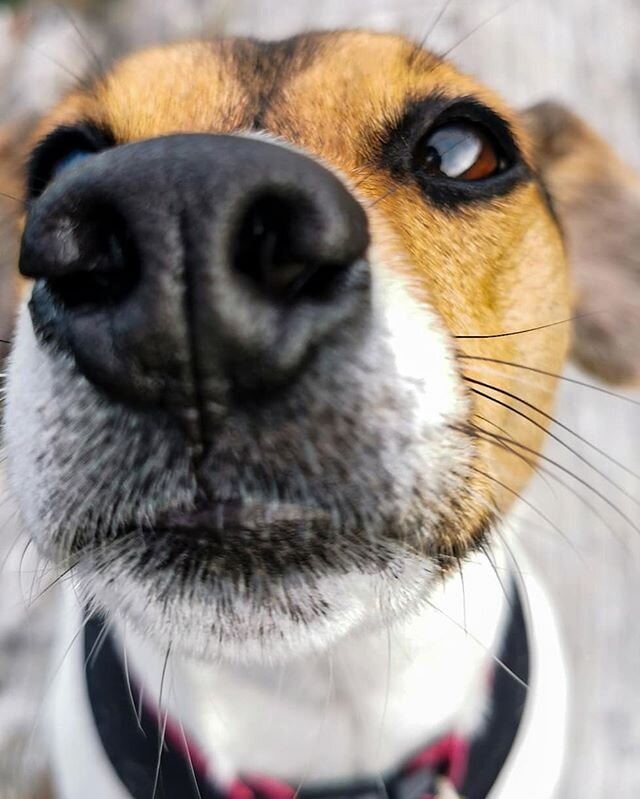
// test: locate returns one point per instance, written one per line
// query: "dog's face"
(244, 400)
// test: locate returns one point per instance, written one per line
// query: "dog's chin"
(258, 615)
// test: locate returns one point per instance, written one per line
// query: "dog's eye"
(59, 150)
(462, 151)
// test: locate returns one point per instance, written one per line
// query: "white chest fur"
(355, 710)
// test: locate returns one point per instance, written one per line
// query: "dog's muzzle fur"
(233, 419)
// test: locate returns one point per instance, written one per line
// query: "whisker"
(14, 198)
(86, 43)
(526, 381)
(524, 594)
(97, 646)
(526, 502)
(21, 570)
(37, 575)
(500, 663)
(474, 434)
(385, 196)
(463, 592)
(527, 330)
(494, 567)
(478, 27)
(161, 741)
(576, 477)
(506, 433)
(9, 552)
(485, 549)
(187, 749)
(491, 438)
(60, 578)
(431, 30)
(631, 497)
(163, 729)
(565, 379)
(77, 78)
(559, 424)
(140, 702)
(127, 673)
(68, 565)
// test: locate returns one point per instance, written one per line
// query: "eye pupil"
(459, 151)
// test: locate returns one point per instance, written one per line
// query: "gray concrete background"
(585, 52)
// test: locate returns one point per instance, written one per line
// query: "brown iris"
(460, 151)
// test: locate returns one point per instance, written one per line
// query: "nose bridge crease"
(198, 424)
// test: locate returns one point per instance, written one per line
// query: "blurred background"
(584, 52)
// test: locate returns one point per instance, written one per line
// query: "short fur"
(408, 460)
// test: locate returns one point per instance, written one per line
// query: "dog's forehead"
(334, 92)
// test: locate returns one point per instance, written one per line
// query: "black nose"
(180, 271)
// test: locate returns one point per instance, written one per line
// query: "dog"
(265, 406)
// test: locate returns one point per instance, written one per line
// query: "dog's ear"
(597, 199)
(11, 206)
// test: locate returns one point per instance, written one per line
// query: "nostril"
(274, 249)
(95, 261)
(105, 280)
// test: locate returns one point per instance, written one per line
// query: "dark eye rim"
(423, 118)
(56, 146)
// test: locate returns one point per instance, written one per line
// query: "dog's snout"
(279, 245)
(193, 266)
(85, 255)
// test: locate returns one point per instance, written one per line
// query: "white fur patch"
(358, 706)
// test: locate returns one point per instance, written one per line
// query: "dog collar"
(449, 766)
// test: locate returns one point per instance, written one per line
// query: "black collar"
(131, 737)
